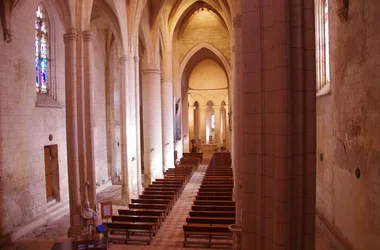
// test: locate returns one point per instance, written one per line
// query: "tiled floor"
(169, 237)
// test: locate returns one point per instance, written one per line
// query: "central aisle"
(170, 235)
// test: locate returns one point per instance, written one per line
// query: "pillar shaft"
(167, 110)
(110, 120)
(138, 124)
(279, 125)
(217, 113)
(70, 39)
(185, 122)
(151, 91)
(196, 126)
(132, 129)
(167, 123)
(125, 187)
(191, 124)
(237, 126)
(89, 117)
(202, 124)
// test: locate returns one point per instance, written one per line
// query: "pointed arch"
(218, 57)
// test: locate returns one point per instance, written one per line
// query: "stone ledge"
(47, 101)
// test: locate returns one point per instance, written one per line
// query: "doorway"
(51, 172)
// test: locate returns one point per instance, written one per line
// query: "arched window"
(322, 46)
(42, 51)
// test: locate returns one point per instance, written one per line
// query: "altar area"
(211, 147)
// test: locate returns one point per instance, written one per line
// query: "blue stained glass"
(41, 51)
(37, 73)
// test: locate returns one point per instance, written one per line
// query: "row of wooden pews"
(141, 222)
(213, 209)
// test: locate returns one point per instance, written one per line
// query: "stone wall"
(348, 128)
(25, 128)
(208, 75)
(99, 95)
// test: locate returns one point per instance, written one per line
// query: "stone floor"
(169, 237)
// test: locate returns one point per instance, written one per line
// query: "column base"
(124, 196)
(75, 232)
(147, 180)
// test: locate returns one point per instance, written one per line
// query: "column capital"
(70, 35)
(237, 21)
(87, 35)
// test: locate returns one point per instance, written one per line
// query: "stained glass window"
(322, 45)
(42, 51)
(327, 48)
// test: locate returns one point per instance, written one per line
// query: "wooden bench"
(130, 228)
(151, 201)
(206, 192)
(217, 185)
(211, 235)
(158, 192)
(162, 189)
(212, 214)
(212, 208)
(216, 189)
(135, 219)
(163, 197)
(210, 220)
(213, 198)
(193, 155)
(214, 203)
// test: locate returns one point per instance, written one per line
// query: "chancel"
(223, 124)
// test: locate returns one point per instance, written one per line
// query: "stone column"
(202, 124)
(89, 116)
(167, 110)
(185, 122)
(208, 123)
(279, 121)
(151, 91)
(110, 119)
(70, 39)
(196, 125)
(237, 126)
(132, 129)
(125, 187)
(217, 112)
(138, 124)
(191, 125)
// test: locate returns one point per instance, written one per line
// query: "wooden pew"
(193, 155)
(212, 214)
(158, 192)
(213, 203)
(143, 206)
(137, 212)
(136, 219)
(212, 208)
(213, 193)
(210, 220)
(215, 188)
(130, 228)
(213, 198)
(211, 234)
